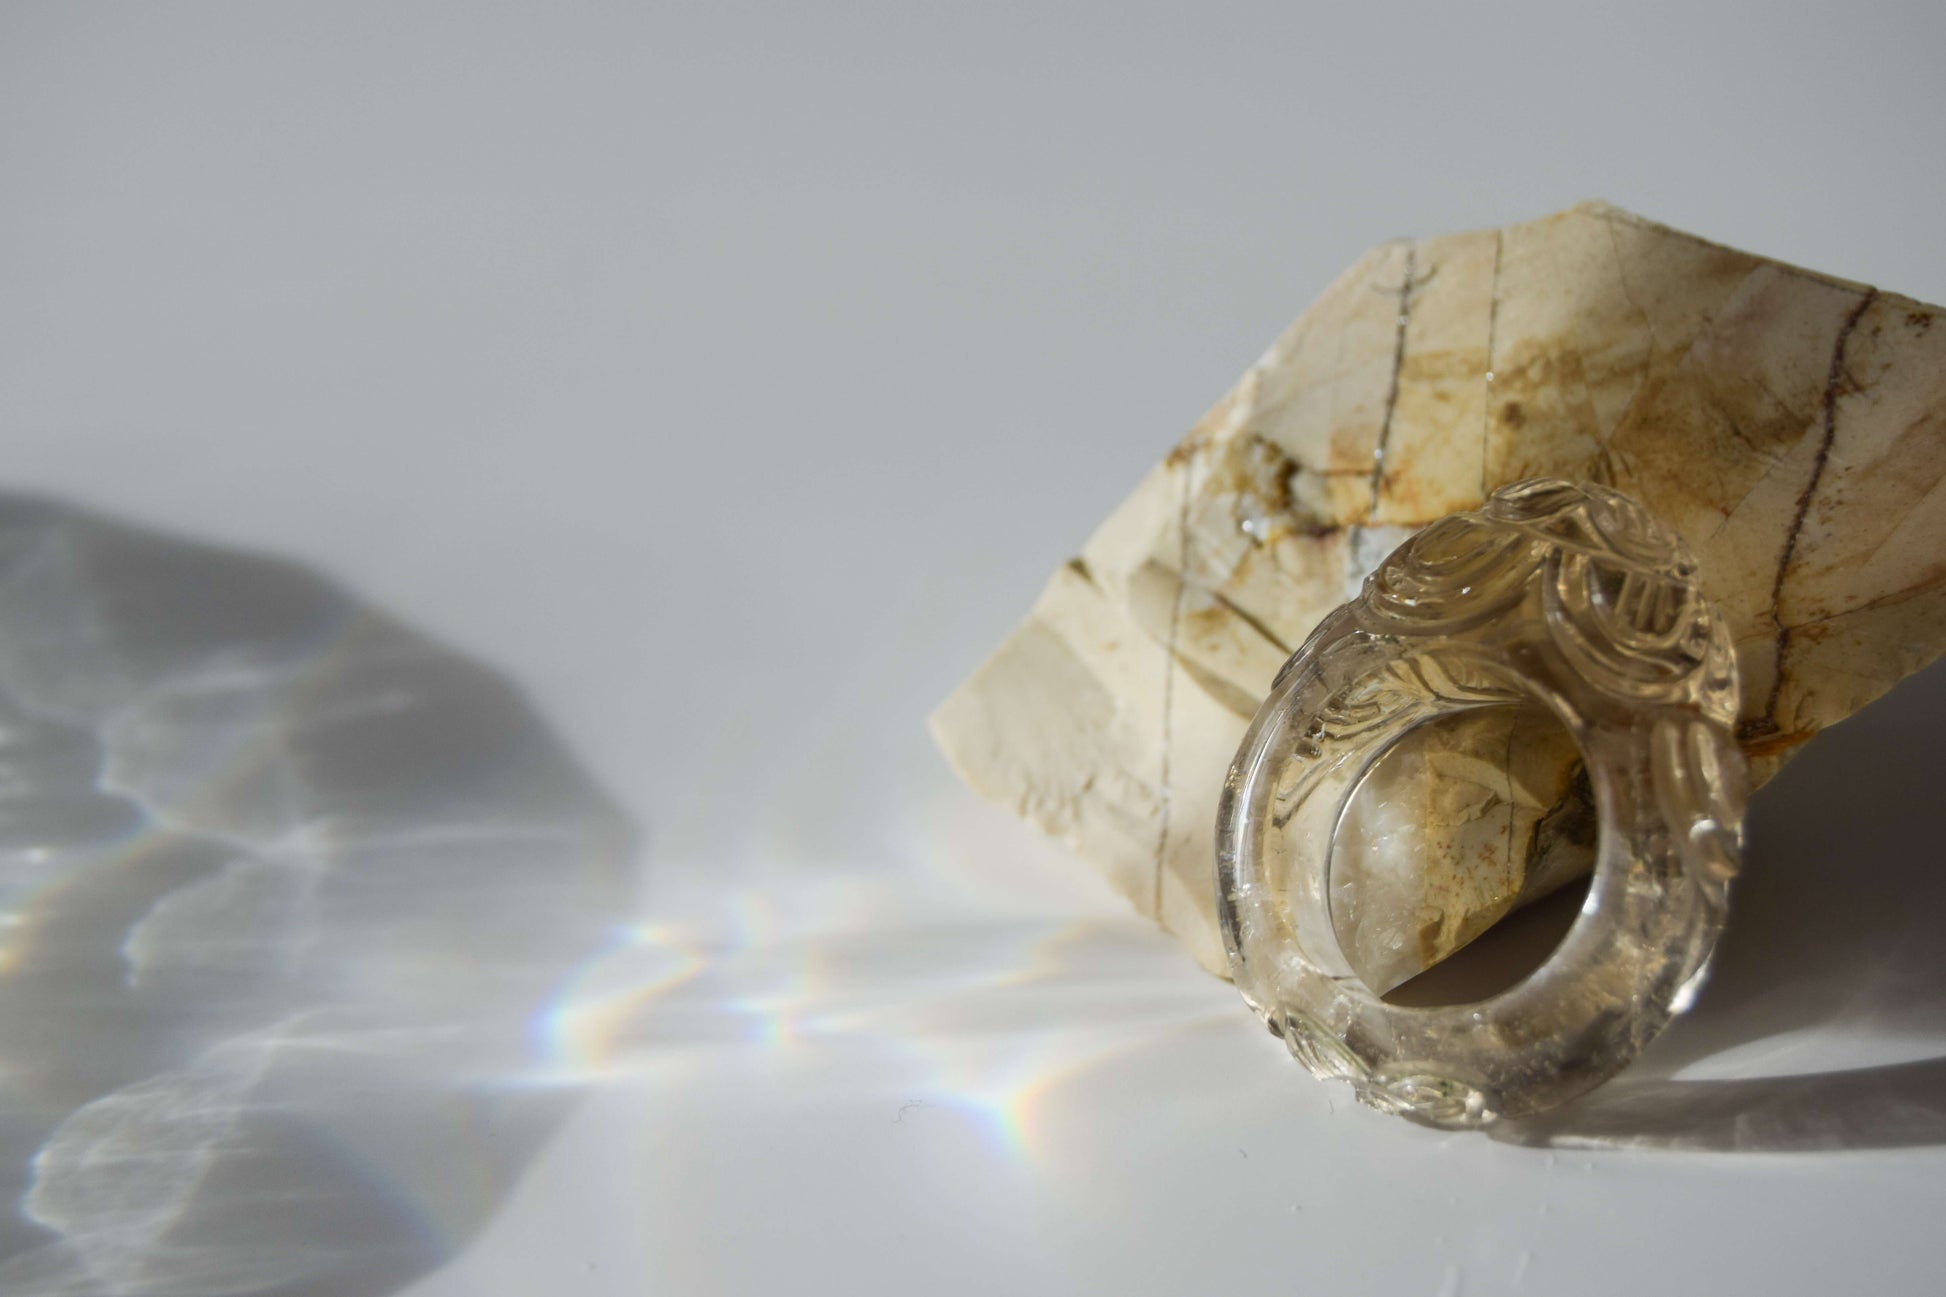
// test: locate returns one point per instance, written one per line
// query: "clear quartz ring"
(1568, 596)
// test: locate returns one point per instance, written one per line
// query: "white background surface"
(731, 376)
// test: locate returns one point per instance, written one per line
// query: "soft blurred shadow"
(1833, 955)
(283, 886)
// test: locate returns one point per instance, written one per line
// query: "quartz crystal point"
(1790, 426)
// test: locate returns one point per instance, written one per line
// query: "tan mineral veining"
(1791, 426)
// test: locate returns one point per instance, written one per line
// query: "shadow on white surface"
(1824, 1022)
(282, 887)
(308, 941)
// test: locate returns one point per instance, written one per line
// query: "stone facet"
(1791, 427)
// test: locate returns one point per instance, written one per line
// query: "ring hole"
(1461, 857)
(1499, 959)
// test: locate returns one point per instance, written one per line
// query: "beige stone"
(1791, 426)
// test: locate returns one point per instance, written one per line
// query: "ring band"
(1573, 597)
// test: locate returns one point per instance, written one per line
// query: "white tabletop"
(727, 379)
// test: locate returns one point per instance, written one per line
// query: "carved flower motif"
(1426, 1096)
(1318, 1048)
(1618, 589)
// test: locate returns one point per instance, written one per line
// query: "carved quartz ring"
(1572, 597)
